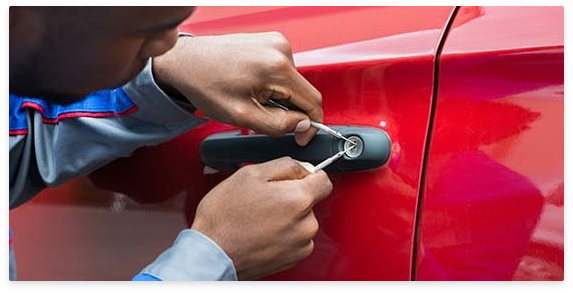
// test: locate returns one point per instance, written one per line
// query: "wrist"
(162, 67)
(160, 72)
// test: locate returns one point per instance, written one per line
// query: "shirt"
(49, 143)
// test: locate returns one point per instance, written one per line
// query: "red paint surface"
(493, 204)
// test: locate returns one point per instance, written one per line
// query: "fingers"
(276, 122)
(307, 249)
(319, 186)
(307, 191)
(305, 97)
(309, 227)
(281, 169)
(303, 138)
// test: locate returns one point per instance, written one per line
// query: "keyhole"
(355, 151)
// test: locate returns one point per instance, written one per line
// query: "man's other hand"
(262, 216)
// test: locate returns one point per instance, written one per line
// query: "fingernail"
(302, 126)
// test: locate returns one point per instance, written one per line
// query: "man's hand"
(262, 216)
(230, 77)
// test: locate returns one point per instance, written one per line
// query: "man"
(88, 85)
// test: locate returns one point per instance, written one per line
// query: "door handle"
(229, 150)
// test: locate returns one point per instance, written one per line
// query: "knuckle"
(326, 181)
(308, 249)
(289, 164)
(298, 200)
(281, 124)
(278, 39)
(318, 96)
(249, 171)
(329, 186)
(318, 104)
(292, 165)
(303, 200)
(278, 61)
(286, 160)
(313, 227)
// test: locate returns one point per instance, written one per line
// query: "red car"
(471, 99)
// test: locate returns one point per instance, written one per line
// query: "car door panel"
(493, 202)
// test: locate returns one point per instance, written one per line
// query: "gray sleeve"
(193, 257)
(50, 154)
(12, 264)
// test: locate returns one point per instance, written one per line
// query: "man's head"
(64, 53)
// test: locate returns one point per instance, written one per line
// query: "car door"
(493, 208)
(374, 67)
